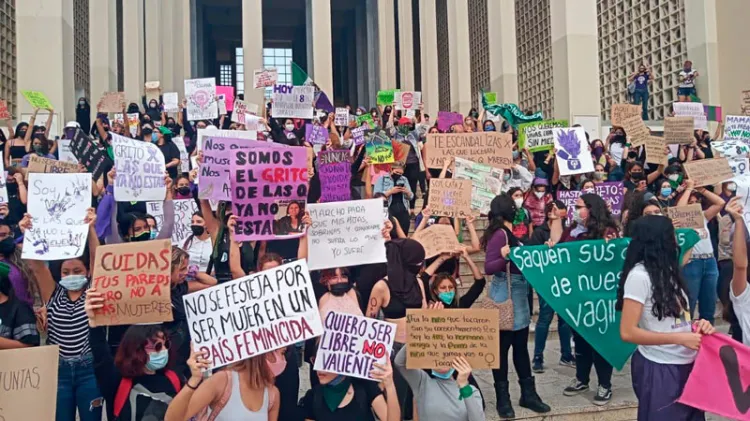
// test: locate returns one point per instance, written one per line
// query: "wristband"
(465, 392)
(187, 383)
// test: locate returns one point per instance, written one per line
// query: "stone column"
(252, 48)
(460, 55)
(386, 39)
(703, 48)
(319, 46)
(734, 54)
(102, 49)
(132, 45)
(154, 40)
(575, 58)
(503, 55)
(406, 45)
(429, 57)
(168, 53)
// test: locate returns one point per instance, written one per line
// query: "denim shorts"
(519, 290)
(685, 91)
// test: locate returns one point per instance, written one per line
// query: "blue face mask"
(74, 282)
(489, 128)
(154, 137)
(666, 191)
(506, 176)
(153, 234)
(516, 154)
(336, 381)
(157, 360)
(447, 296)
(444, 376)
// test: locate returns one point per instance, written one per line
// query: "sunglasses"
(158, 346)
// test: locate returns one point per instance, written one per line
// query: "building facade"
(567, 58)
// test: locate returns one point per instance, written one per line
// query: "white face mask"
(732, 187)
(674, 177)
(519, 202)
(289, 127)
(539, 194)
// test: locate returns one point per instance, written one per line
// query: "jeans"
(701, 277)
(641, 97)
(586, 356)
(77, 388)
(542, 329)
(519, 294)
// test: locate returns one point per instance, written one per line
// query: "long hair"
(439, 278)
(131, 356)
(259, 373)
(654, 245)
(637, 205)
(502, 210)
(600, 218)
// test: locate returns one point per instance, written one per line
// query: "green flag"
(299, 77)
(579, 280)
(510, 112)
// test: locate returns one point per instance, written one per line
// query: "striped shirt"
(67, 324)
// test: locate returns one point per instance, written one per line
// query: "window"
(225, 75)
(240, 70)
(281, 59)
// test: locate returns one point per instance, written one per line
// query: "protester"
(641, 79)
(687, 78)
(17, 321)
(738, 293)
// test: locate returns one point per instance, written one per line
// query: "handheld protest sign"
(269, 192)
(692, 109)
(737, 127)
(351, 344)
(450, 197)
(37, 99)
(538, 135)
(335, 170)
(4, 112)
(38, 164)
(3, 178)
(140, 170)
(28, 381)
(135, 279)
(96, 160)
(112, 102)
(574, 156)
(436, 337)
(620, 112)
(491, 148)
(678, 130)
(253, 315)
(436, 239)
(264, 78)
(486, 182)
(708, 172)
(611, 191)
(447, 119)
(690, 216)
(293, 101)
(201, 96)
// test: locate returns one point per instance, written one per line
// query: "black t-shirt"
(178, 306)
(170, 152)
(152, 395)
(359, 409)
(17, 322)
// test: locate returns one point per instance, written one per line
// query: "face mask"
(198, 230)
(577, 217)
(598, 151)
(154, 137)
(144, 236)
(396, 177)
(152, 235)
(600, 175)
(157, 360)
(74, 282)
(444, 376)
(447, 296)
(619, 138)
(183, 191)
(289, 127)
(21, 133)
(7, 246)
(516, 154)
(38, 149)
(666, 191)
(506, 176)
(673, 177)
(539, 194)
(81, 103)
(518, 202)
(152, 105)
(340, 289)
(279, 366)
(732, 187)
(489, 128)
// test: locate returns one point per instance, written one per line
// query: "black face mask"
(415, 269)
(21, 133)
(7, 246)
(183, 190)
(619, 138)
(340, 289)
(198, 230)
(144, 236)
(396, 177)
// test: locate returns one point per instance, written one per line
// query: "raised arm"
(739, 247)
(38, 268)
(717, 203)
(48, 125)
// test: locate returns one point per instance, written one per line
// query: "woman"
(641, 204)
(17, 320)
(522, 225)
(67, 326)
(169, 150)
(497, 240)
(592, 220)
(641, 79)
(398, 193)
(686, 78)
(83, 113)
(665, 194)
(738, 293)
(20, 276)
(183, 187)
(536, 200)
(243, 391)
(291, 223)
(444, 288)
(341, 296)
(15, 148)
(40, 147)
(199, 244)
(656, 317)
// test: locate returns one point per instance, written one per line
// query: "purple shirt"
(19, 283)
(641, 81)
(494, 262)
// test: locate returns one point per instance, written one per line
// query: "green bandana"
(333, 395)
(510, 112)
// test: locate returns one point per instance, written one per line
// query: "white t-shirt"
(742, 310)
(615, 150)
(200, 253)
(703, 246)
(638, 288)
(689, 78)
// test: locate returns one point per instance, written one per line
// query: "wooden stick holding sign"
(135, 279)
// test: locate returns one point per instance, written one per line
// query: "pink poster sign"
(228, 92)
(446, 119)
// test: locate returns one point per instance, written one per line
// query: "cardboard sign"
(96, 160)
(610, 191)
(228, 96)
(342, 117)
(436, 239)
(692, 109)
(386, 97)
(183, 217)
(737, 127)
(264, 78)
(346, 234)
(622, 111)
(293, 101)
(491, 148)
(655, 150)
(4, 112)
(678, 130)
(153, 90)
(447, 119)
(379, 148)
(253, 315)
(264, 180)
(140, 170)
(201, 99)
(579, 280)
(58, 205)
(636, 130)
(745, 103)
(135, 279)
(351, 344)
(316, 134)
(29, 383)
(3, 181)
(37, 99)
(573, 154)
(719, 378)
(437, 337)
(707, 172)
(38, 164)
(112, 102)
(690, 216)
(450, 197)
(538, 135)
(486, 183)
(171, 102)
(335, 171)
(407, 100)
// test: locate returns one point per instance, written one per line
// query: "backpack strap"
(121, 396)
(221, 403)
(172, 376)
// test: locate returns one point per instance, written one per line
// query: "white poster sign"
(743, 193)
(3, 181)
(156, 209)
(692, 109)
(486, 182)
(65, 153)
(263, 78)
(184, 156)
(737, 127)
(730, 148)
(740, 166)
(407, 100)
(293, 101)
(232, 134)
(58, 205)
(242, 109)
(342, 117)
(183, 216)
(345, 234)
(573, 152)
(171, 102)
(253, 315)
(140, 170)
(201, 99)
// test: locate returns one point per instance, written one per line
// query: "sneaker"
(538, 366)
(603, 396)
(568, 362)
(575, 388)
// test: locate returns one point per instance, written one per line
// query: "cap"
(404, 121)
(540, 182)
(72, 124)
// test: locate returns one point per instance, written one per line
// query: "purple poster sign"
(446, 119)
(315, 134)
(611, 192)
(335, 176)
(269, 192)
(358, 134)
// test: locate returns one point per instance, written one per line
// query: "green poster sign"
(538, 135)
(490, 97)
(386, 97)
(366, 118)
(580, 280)
(37, 99)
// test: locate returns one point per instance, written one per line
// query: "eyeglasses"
(158, 346)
